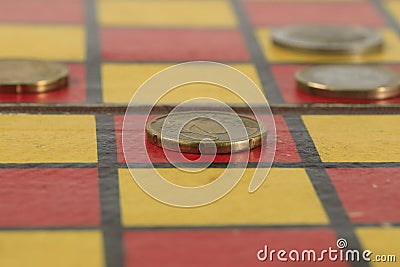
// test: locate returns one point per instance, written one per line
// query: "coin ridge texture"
(31, 76)
(201, 127)
(338, 39)
(349, 81)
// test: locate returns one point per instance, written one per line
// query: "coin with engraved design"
(205, 132)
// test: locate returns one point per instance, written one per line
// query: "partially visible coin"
(31, 76)
(349, 81)
(328, 38)
(203, 125)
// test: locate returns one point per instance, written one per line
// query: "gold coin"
(205, 129)
(349, 81)
(31, 76)
(328, 38)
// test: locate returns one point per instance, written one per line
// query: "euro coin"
(349, 81)
(328, 38)
(31, 76)
(198, 130)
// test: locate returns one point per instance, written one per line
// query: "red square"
(49, 197)
(286, 149)
(285, 78)
(230, 247)
(42, 11)
(74, 93)
(369, 195)
(285, 13)
(173, 45)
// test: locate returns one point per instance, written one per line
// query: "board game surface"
(68, 199)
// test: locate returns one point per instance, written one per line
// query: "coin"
(31, 76)
(349, 81)
(204, 125)
(328, 38)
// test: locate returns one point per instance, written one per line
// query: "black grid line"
(323, 186)
(109, 191)
(93, 55)
(198, 227)
(271, 90)
(379, 6)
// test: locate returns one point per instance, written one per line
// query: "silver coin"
(328, 38)
(349, 81)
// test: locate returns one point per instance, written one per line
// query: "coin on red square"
(286, 150)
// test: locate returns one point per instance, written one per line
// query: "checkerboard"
(68, 199)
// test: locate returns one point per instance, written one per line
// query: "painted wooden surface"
(67, 197)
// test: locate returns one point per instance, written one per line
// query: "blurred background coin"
(31, 76)
(328, 38)
(349, 81)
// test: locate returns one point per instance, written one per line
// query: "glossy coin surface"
(31, 76)
(349, 81)
(328, 38)
(204, 126)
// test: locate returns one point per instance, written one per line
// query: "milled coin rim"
(39, 86)
(305, 83)
(281, 37)
(192, 147)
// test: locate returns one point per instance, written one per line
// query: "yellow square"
(381, 242)
(286, 197)
(120, 82)
(355, 138)
(172, 13)
(274, 53)
(64, 43)
(47, 138)
(51, 248)
(393, 7)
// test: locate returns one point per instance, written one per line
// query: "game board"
(67, 198)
